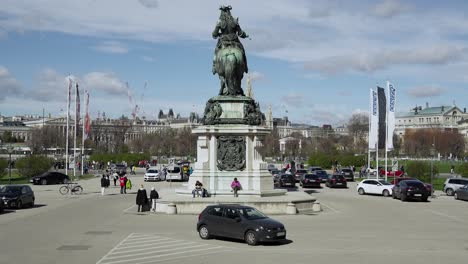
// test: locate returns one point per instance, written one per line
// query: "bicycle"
(75, 188)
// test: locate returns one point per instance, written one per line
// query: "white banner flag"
(391, 115)
(374, 120)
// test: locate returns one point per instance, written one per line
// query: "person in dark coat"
(141, 198)
(153, 196)
(103, 184)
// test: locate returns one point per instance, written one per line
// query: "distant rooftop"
(427, 111)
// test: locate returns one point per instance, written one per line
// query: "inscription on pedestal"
(232, 110)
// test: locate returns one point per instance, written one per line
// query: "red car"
(397, 173)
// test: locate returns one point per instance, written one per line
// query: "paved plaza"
(91, 228)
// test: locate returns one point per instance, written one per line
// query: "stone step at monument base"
(214, 193)
(186, 204)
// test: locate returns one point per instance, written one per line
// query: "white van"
(174, 173)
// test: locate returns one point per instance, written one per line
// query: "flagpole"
(75, 131)
(68, 125)
(369, 134)
(82, 140)
(386, 129)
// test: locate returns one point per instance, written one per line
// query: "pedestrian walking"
(115, 176)
(122, 181)
(236, 186)
(103, 184)
(128, 184)
(153, 196)
(141, 198)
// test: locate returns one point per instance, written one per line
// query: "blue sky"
(314, 59)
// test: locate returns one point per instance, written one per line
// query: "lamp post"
(9, 150)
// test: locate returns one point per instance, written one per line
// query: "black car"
(408, 189)
(336, 180)
(323, 175)
(310, 180)
(299, 173)
(16, 196)
(52, 177)
(239, 222)
(461, 193)
(285, 180)
(348, 174)
(314, 168)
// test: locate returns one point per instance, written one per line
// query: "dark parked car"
(121, 169)
(310, 180)
(323, 175)
(408, 189)
(299, 173)
(461, 193)
(16, 196)
(239, 222)
(336, 180)
(1, 206)
(284, 180)
(314, 168)
(348, 174)
(50, 178)
(427, 185)
(275, 172)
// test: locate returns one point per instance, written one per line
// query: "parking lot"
(91, 228)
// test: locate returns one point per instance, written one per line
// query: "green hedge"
(345, 160)
(462, 169)
(3, 166)
(33, 165)
(120, 157)
(421, 170)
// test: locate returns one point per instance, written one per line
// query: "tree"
(45, 137)
(3, 166)
(358, 128)
(463, 169)
(421, 170)
(33, 165)
(270, 146)
(419, 142)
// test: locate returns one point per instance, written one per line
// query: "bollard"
(316, 207)
(291, 209)
(171, 209)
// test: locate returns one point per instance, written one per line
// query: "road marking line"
(170, 254)
(152, 252)
(184, 256)
(128, 208)
(142, 238)
(329, 207)
(454, 218)
(128, 251)
(144, 241)
(108, 253)
(156, 243)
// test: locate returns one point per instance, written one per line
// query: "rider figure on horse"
(228, 31)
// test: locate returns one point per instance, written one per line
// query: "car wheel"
(44, 181)
(65, 181)
(403, 197)
(455, 195)
(449, 191)
(32, 203)
(19, 205)
(424, 198)
(393, 195)
(204, 232)
(361, 191)
(251, 238)
(386, 193)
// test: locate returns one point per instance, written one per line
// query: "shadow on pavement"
(311, 191)
(268, 244)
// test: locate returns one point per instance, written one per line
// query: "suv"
(451, 185)
(407, 189)
(348, 174)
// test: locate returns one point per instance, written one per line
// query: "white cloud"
(9, 86)
(256, 76)
(389, 8)
(107, 82)
(111, 47)
(293, 99)
(426, 91)
(147, 58)
(149, 3)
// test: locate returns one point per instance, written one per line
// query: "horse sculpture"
(230, 62)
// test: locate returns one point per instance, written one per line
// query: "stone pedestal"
(216, 177)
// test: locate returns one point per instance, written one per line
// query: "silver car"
(453, 184)
(153, 174)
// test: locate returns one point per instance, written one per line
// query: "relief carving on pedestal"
(231, 153)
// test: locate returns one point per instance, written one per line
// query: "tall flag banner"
(391, 115)
(70, 86)
(77, 105)
(374, 120)
(382, 116)
(87, 121)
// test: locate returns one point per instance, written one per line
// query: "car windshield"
(301, 171)
(415, 183)
(251, 213)
(152, 171)
(384, 182)
(321, 173)
(285, 176)
(10, 189)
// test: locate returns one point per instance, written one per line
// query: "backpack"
(128, 185)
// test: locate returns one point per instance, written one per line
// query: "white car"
(174, 173)
(375, 187)
(153, 174)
